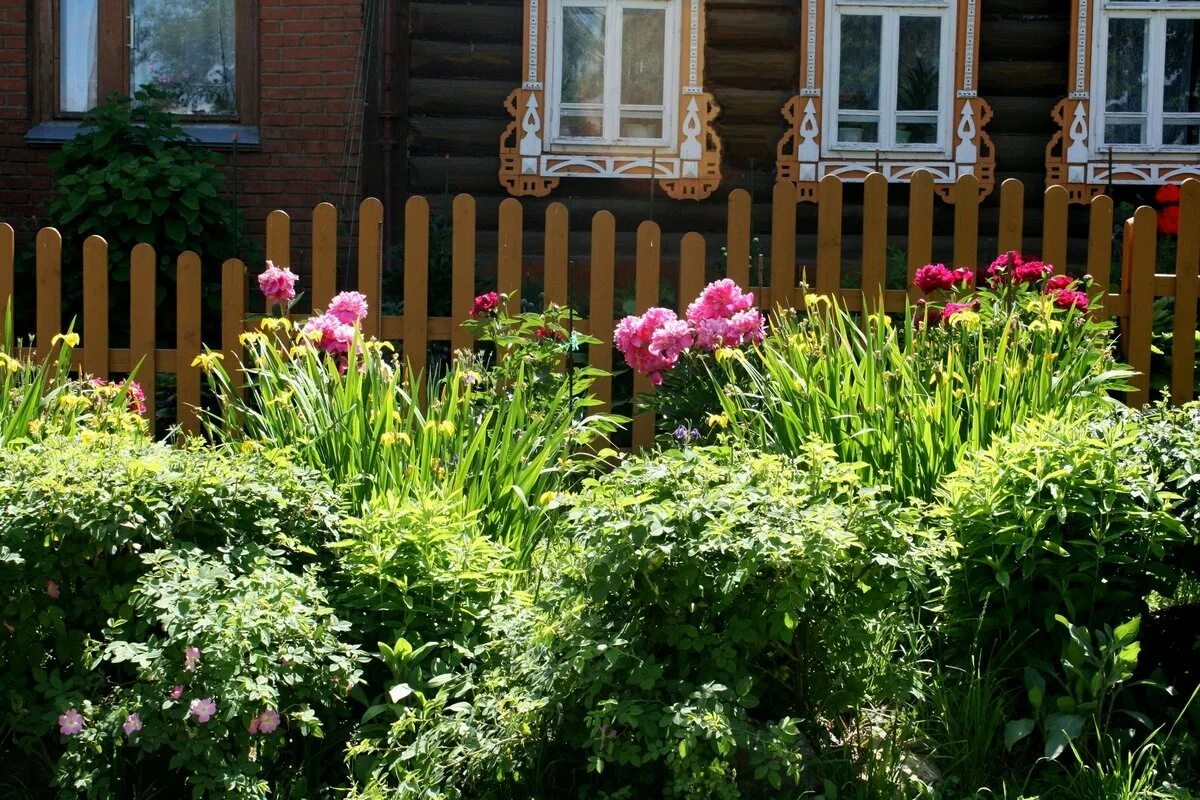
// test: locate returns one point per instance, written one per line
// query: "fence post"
(600, 316)
(554, 265)
(1012, 217)
(233, 319)
(691, 269)
(1054, 229)
(1138, 278)
(737, 238)
(187, 347)
(95, 307)
(370, 260)
(143, 338)
(966, 221)
(875, 236)
(508, 257)
(279, 244)
(49, 290)
(7, 256)
(416, 283)
(920, 227)
(1187, 274)
(783, 246)
(1100, 233)
(462, 288)
(829, 237)
(649, 261)
(324, 255)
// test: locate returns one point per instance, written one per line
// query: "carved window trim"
(803, 157)
(532, 163)
(1073, 161)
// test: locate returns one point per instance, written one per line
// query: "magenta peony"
(278, 285)
(349, 307)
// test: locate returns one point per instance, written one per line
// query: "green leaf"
(1017, 730)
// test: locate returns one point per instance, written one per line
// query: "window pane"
(1125, 133)
(919, 68)
(186, 48)
(641, 125)
(643, 43)
(916, 132)
(77, 55)
(1127, 53)
(853, 130)
(583, 57)
(581, 123)
(1181, 133)
(860, 54)
(1181, 82)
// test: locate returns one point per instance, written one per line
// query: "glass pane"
(77, 55)
(860, 54)
(641, 125)
(583, 56)
(643, 43)
(1181, 133)
(1181, 81)
(916, 133)
(1125, 133)
(187, 48)
(920, 60)
(850, 130)
(581, 123)
(1127, 54)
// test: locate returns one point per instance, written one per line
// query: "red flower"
(547, 333)
(1168, 220)
(1167, 194)
(1058, 283)
(1069, 299)
(485, 304)
(932, 277)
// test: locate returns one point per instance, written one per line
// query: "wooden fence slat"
(737, 238)
(1187, 275)
(1054, 229)
(1140, 251)
(783, 245)
(649, 261)
(1012, 217)
(95, 307)
(966, 221)
(829, 236)
(416, 283)
(691, 269)
(555, 264)
(187, 320)
(7, 259)
(462, 256)
(508, 256)
(875, 234)
(143, 297)
(600, 315)
(233, 319)
(324, 255)
(279, 244)
(920, 227)
(1100, 235)
(49, 290)
(370, 261)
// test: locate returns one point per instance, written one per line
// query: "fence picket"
(95, 307)
(600, 315)
(324, 255)
(555, 266)
(649, 261)
(875, 239)
(508, 256)
(1054, 229)
(143, 297)
(279, 244)
(8, 254)
(920, 227)
(187, 347)
(416, 283)
(370, 261)
(1012, 217)
(1187, 275)
(783, 245)
(1138, 275)
(737, 238)
(233, 319)
(829, 236)
(691, 269)
(49, 290)
(462, 256)
(966, 221)
(1100, 235)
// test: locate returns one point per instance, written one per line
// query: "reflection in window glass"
(583, 55)
(860, 57)
(187, 49)
(918, 80)
(1181, 79)
(77, 55)
(1126, 80)
(643, 48)
(1125, 133)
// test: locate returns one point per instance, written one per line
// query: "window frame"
(611, 105)
(944, 10)
(113, 69)
(1157, 15)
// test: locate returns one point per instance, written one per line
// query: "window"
(890, 89)
(612, 89)
(887, 87)
(1132, 114)
(201, 53)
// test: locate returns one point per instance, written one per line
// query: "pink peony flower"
(633, 338)
(485, 304)
(268, 721)
(1012, 267)
(203, 710)
(934, 277)
(349, 307)
(1031, 272)
(176, 693)
(331, 334)
(133, 724)
(70, 723)
(1057, 283)
(744, 327)
(52, 590)
(135, 396)
(672, 340)
(1070, 299)
(950, 310)
(719, 300)
(278, 285)
(191, 657)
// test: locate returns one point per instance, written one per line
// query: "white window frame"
(612, 77)
(946, 11)
(1157, 12)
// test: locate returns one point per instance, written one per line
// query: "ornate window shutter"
(804, 159)
(531, 163)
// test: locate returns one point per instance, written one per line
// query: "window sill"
(214, 136)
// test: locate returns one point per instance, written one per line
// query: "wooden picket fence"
(1133, 304)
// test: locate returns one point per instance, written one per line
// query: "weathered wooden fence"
(1133, 304)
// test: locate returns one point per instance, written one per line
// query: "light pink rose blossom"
(133, 724)
(203, 710)
(191, 657)
(176, 693)
(70, 723)
(52, 590)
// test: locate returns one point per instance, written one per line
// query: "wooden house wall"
(464, 58)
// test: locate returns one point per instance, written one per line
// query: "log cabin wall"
(464, 58)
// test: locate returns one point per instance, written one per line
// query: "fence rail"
(1132, 304)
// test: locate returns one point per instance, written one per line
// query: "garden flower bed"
(872, 556)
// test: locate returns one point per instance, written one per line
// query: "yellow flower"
(815, 301)
(9, 363)
(251, 337)
(71, 340)
(718, 421)
(966, 319)
(207, 361)
(275, 324)
(87, 437)
(392, 438)
(299, 351)
(724, 354)
(547, 498)
(35, 425)
(281, 399)
(72, 402)
(446, 427)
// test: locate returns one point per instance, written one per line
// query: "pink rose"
(70, 723)
(277, 285)
(133, 724)
(191, 657)
(176, 693)
(203, 710)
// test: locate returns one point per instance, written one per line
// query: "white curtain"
(77, 55)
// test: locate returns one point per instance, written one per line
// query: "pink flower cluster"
(334, 330)
(722, 316)
(1061, 287)
(1012, 267)
(938, 277)
(278, 285)
(266, 722)
(135, 396)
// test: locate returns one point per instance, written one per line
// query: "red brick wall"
(309, 107)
